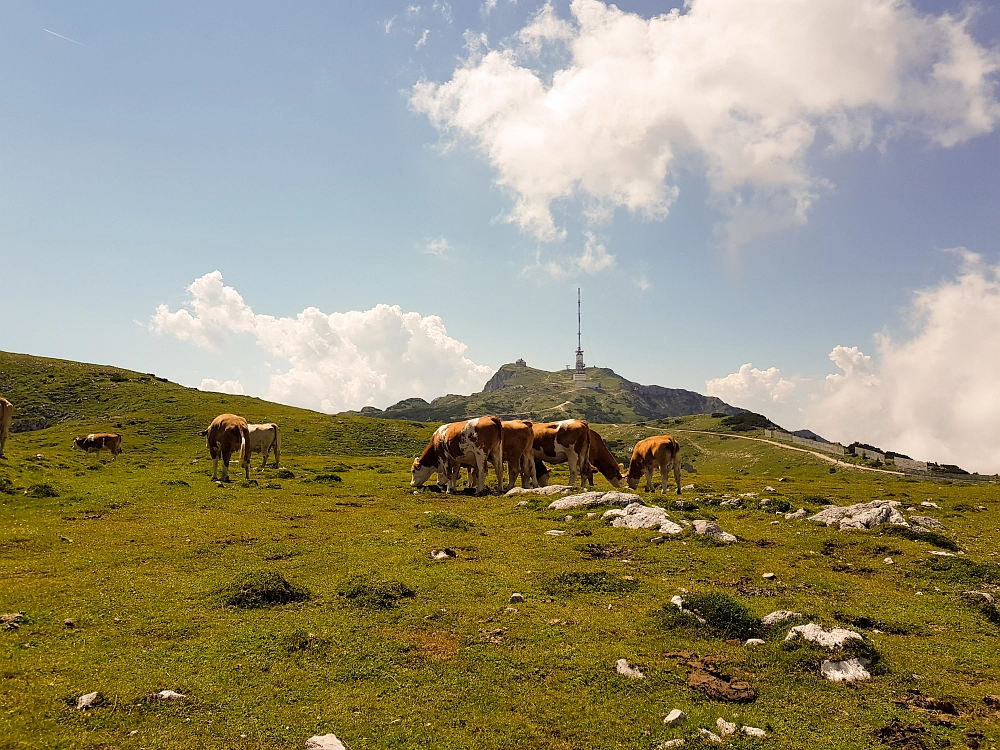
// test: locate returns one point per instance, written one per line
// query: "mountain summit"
(519, 391)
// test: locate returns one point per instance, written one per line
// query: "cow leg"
(649, 479)
(677, 473)
(215, 467)
(498, 468)
(664, 477)
(225, 465)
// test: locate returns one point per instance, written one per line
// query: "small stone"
(942, 553)
(769, 576)
(516, 598)
(710, 528)
(769, 488)
(775, 617)
(623, 668)
(90, 700)
(555, 532)
(167, 695)
(849, 670)
(726, 728)
(709, 736)
(754, 642)
(675, 717)
(591, 515)
(324, 742)
(928, 504)
(521, 504)
(679, 742)
(687, 487)
(753, 732)
(443, 554)
(888, 561)
(567, 519)
(657, 540)
(69, 622)
(783, 479)
(988, 597)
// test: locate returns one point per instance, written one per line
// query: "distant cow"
(567, 441)
(96, 442)
(263, 439)
(473, 442)
(601, 459)
(658, 452)
(6, 414)
(228, 434)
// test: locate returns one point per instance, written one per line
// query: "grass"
(428, 653)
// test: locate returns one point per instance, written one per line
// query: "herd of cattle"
(474, 444)
(525, 446)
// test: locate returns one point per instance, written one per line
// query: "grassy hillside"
(392, 649)
(536, 394)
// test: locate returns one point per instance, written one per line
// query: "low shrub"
(373, 592)
(262, 589)
(724, 615)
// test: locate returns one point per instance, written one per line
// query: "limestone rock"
(324, 742)
(928, 523)
(709, 736)
(687, 487)
(726, 728)
(800, 513)
(89, 700)
(638, 516)
(623, 668)
(552, 489)
(777, 616)
(831, 639)
(754, 642)
(753, 732)
(928, 504)
(516, 598)
(555, 532)
(942, 553)
(675, 717)
(167, 695)
(595, 499)
(710, 528)
(861, 515)
(769, 576)
(850, 670)
(679, 742)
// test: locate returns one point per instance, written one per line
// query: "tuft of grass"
(373, 592)
(600, 582)
(262, 589)
(284, 474)
(450, 521)
(43, 489)
(933, 538)
(328, 478)
(724, 615)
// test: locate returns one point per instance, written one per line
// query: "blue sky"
(288, 148)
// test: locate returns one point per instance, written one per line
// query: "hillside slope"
(521, 391)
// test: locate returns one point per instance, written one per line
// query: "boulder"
(831, 639)
(638, 516)
(595, 499)
(778, 616)
(849, 670)
(324, 742)
(675, 717)
(861, 515)
(710, 528)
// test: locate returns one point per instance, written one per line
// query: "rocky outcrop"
(861, 515)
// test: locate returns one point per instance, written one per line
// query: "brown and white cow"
(517, 454)
(472, 442)
(658, 452)
(6, 414)
(228, 434)
(96, 442)
(263, 439)
(567, 441)
(601, 459)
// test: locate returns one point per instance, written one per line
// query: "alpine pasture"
(307, 601)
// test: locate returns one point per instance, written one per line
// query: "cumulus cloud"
(423, 39)
(594, 259)
(607, 107)
(335, 361)
(439, 247)
(233, 387)
(931, 395)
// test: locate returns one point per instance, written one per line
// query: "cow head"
(420, 473)
(78, 442)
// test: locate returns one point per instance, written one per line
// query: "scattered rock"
(849, 670)
(710, 528)
(555, 532)
(11, 620)
(69, 622)
(769, 488)
(521, 503)
(784, 479)
(567, 519)
(753, 732)
(988, 597)
(90, 700)
(928, 504)
(595, 499)
(769, 576)
(675, 718)
(726, 728)
(778, 616)
(902, 736)
(167, 695)
(638, 516)
(324, 742)
(679, 742)
(658, 540)
(623, 668)
(942, 553)
(552, 489)
(443, 554)
(932, 524)
(709, 736)
(833, 638)
(800, 513)
(516, 598)
(687, 487)
(862, 515)
(888, 561)
(754, 642)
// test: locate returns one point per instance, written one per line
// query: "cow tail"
(244, 446)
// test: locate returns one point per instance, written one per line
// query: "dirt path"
(827, 458)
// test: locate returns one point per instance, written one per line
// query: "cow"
(96, 442)
(600, 458)
(566, 441)
(6, 414)
(517, 454)
(472, 442)
(658, 452)
(228, 434)
(263, 439)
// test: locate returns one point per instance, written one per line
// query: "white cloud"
(387, 24)
(739, 91)
(439, 247)
(423, 39)
(933, 395)
(594, 259)
(642, 283)
(233, 387)
(444, 9)
(335, 361)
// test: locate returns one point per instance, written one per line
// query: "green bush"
(262, 589)
(372, 592)
(448, 521)
(724, 616)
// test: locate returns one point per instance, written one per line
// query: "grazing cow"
(566, 441)
(263, 439)
(542, 473)
(96, 442)
(601, 459)
(658, 452)
(228, 434)
(517, 454)
(473, 442)
(6, 414)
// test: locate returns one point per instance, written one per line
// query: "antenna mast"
(578, 342)
(580, 375)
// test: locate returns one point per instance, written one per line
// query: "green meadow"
(307, 601)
